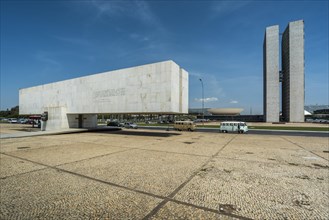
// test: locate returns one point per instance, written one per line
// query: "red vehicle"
(35, 120)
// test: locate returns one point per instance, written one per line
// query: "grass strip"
(288, 128)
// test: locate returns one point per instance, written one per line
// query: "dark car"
(113, 123)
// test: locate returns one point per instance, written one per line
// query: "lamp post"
(202, 100)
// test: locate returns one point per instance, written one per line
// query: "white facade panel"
(154, 88)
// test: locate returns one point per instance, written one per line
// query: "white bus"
(184, 125)
(233, 126)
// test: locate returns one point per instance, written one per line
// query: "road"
(258, 131)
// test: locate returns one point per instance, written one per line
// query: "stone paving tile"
(14, 144)
(310, 143)
(65, 137)
(128, 138)
(49, 194)
(178, 211)
(275, 150)
(10, 166)
(65, 153)
(247, 140)
(272, 154)
(191, 143)
(241, 180)
(189, 147)
(319, 146)
(155, 172)
(260, 190)
(204, 137)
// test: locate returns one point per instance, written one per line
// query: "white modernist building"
(148, 89)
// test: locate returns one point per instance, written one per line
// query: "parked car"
(4, 119)
(130, 125)
(22, 121)
(113, 123)
(12, 120)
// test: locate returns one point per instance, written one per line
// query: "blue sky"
(218, 41)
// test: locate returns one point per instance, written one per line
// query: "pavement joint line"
(164, 198)
(144, 149)
(209, 209)
(171, 195)
(304, 148)
(251, 161)
(263, 162)
(128, 148)
(171, 152)
(77, 161)
(88, 177)
(90, 158)
(18, 174)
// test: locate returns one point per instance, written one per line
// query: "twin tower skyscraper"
(291, 75)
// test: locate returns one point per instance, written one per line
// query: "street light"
(202, 100)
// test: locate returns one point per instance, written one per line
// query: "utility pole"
(202, 100)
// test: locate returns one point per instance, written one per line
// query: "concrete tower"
(271, 74)
(293, 85)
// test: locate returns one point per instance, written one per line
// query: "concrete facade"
(293, 85)
(154, 88)
(271, 74)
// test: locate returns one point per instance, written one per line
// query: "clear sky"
(218, 41)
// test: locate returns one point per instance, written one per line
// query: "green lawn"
(290, 128)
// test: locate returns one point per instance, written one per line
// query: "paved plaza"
(144, 174)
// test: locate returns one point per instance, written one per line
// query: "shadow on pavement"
(139, 133)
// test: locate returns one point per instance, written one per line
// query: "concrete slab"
(280, 151)
(310, 143)
(277, 142)
(62, 154)
(49, 194)
(260, 190)
(127, 174)
(155, 172)
(187, 143)
(178, 211)
(9, 145)
(12, 166)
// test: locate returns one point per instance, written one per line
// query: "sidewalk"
(56, 132)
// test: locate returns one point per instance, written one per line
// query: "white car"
(130, 125)
(12, 120)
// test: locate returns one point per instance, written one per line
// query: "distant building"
(313, 108)
(215, 111)
(198, 111)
